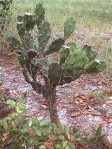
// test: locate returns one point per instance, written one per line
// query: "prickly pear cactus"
(34, 57)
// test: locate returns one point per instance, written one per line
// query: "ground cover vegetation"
(17, 132)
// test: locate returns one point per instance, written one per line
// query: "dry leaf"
(31, 132)
(102, 122)
(76, 113)
(48, 144)
(95, 113)
(44, 106)
(5, 136)
(71, 129)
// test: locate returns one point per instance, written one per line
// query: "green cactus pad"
(90, 53)
(69, 27)
(21, 29)
(15, 43)
(22, 60)
(63, 55)
(40, 12)
(29, 21)
(95, 66)
(75, 60)
(66, 50)
(44, 35)
(55, 46)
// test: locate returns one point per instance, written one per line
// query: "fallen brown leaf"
(76, 113)
(5, 136)
(95, 113)
(31, 132)
(48, 144)
(44, 106)
(102, 122)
